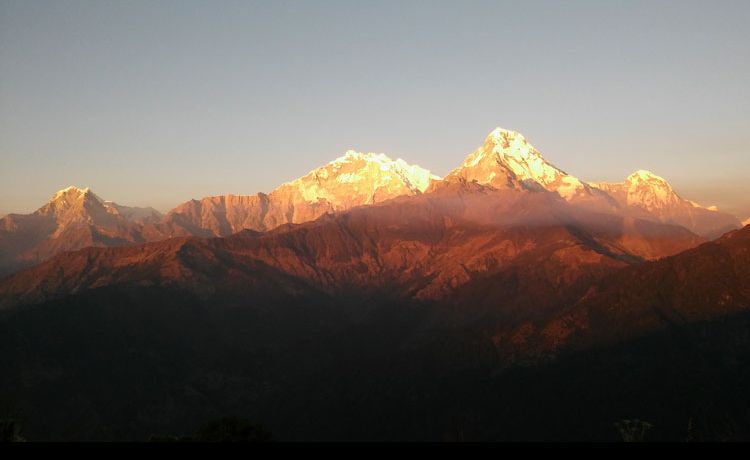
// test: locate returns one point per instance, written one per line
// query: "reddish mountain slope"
(708, 282)
(353, 179)
(73, 219)
(423, 247)
(77, 218)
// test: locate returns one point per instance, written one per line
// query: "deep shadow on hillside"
(127, 364)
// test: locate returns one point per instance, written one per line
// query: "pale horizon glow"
(153, 103)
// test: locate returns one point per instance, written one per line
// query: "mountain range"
(373, 300)
(76, 218)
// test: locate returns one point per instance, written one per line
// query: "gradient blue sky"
(157, 102)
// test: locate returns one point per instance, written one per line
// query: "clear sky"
(157, 102)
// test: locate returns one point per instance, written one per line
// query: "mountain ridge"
(425, 245)
(700, 284)
(506, 160)
(350, 180)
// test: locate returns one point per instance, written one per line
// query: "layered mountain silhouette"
(372, 300)
(77, 218)
(707, 283)
(419, 247)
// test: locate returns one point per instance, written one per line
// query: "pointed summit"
(72, 219)
(508, 160)
(505, 135)
(88, 203)
(73, 203)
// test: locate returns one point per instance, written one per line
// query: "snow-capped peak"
(75, 205)
(82, 204)
(507, 159)
(71, 190)
(646, 190)
(646, 175)
(361, 178)
(505, 135)
(649, 191)
(73, 194)
(356, 166)
(746, 221)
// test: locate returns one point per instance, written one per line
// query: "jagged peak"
(354, 155)
(384, 161)
(506, 144)
(71, 189)
(507, 159)
(77, 205)
(377, 167)
(74, 193)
